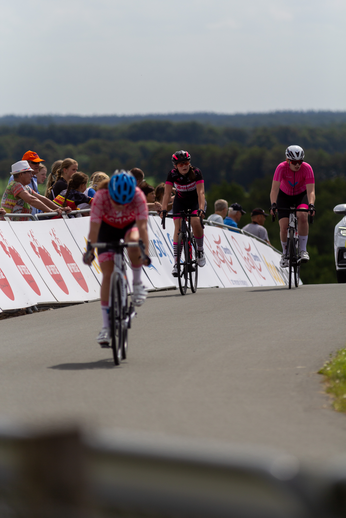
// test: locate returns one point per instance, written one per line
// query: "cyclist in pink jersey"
(119, 211)
(293, 186)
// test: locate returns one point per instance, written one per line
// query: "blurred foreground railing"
(65, 474)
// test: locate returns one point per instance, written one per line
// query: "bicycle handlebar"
(182, 214)
(118, 246)
(293, 210)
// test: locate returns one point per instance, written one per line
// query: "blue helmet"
(122, 187)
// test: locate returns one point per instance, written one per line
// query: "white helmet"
(295, 153)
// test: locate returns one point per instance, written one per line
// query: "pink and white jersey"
(102, 209)
(293, 182)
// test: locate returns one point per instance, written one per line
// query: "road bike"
(187, 251)
(292, 246)
(121, 308)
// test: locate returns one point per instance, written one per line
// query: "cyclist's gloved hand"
(273, 208)
(312, 208)
(89, 255)
(201, 213)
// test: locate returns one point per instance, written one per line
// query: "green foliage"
(334, 372)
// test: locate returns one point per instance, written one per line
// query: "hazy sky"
(161, 56)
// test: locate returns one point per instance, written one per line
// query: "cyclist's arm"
(94, 231)
(143, 233)
(310, 191)
(201, 195)
(274, 191)
(167, 196)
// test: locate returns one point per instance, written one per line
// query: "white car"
(340, 244)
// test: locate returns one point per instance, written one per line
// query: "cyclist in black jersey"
(189, 184)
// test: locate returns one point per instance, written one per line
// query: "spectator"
(63, 175)
(159, 192)
(34, 162)
(138, 174)
(95, 179)
(42, 174)
(149, 192)
(19, 197)
(256, 227)
(235, 212)
(221, 210)
(52, 177)
(74, 196)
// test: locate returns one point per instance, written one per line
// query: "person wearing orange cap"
(34, 162)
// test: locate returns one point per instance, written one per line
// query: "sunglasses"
(296, 162)
(183, 163)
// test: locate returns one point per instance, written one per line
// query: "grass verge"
(334, 372)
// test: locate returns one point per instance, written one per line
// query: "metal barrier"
(62, 473)
(44, 215)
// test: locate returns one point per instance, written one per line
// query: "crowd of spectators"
(69, 189)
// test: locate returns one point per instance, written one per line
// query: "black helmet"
(180, 156)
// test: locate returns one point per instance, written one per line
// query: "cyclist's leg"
(107, 265)
(139, 291)
(199, 236)
(177, 224)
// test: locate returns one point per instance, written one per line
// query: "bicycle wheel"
(193, 266)
(182, 263)
(115, 318)
(291, 257)
(126, 322)
(297, 265)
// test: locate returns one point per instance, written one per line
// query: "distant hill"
(249, 120)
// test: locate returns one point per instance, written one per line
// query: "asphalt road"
(232, 365)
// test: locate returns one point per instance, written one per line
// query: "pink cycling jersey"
(102, 209)
(293, 182)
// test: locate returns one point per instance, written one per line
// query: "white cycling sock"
(137, 270)
(284, 247)
(105, 315)
(303, 241)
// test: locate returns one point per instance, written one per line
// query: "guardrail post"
(52, 478)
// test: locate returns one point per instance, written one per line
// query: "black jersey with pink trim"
(185, 187)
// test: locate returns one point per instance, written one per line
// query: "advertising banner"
(159, 272)
(272, 261)
(223, 259)
(20, 284)
(58, 259)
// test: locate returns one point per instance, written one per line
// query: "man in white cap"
(20, 198)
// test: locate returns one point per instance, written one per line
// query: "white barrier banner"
(19, 283)
(223, 259)
(58, 259)
(272, 261)
(249, 258)
(79, 229)
(159, 272)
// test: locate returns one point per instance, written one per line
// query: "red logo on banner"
(71, 264)
(22, 268)
(219, 256)
(5, 286)
(246, 256)
(47, 260)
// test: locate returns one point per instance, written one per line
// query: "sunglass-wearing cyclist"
(119, 211)
(293, 186)
(189, 184)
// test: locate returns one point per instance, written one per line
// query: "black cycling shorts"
(183, 204)
(286, 201)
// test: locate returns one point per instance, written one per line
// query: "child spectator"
(74, 196)
(52, 177)
(95, 179)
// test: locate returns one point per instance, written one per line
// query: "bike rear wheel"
(115, 318)
(291, 257)
(193, 266)
(182, 263)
